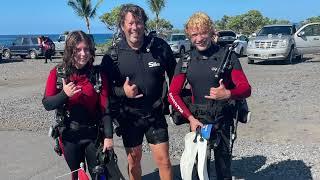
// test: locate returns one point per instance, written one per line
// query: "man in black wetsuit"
(138, 77)
(211, 96)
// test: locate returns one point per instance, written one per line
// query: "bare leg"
(160, 154)
(134, 162)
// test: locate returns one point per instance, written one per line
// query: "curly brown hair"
(73, 39)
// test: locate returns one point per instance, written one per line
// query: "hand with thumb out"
(131, 90)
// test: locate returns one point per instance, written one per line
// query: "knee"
(134, 165)
(134, 159)
(163, 161)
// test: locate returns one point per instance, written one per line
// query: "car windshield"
(61, 38)
(176, 37)
(34, 40)
(275, 30)
(227, 33)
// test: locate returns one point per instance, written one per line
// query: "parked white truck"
(60, 44)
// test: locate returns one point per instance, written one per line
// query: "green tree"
(111, 19)
(161, 25)
(312, 20)
(177, 31)
(222, 24)
(277, 21)
(245, 23)
(235, 24)
(252, 21)
(83, 8)
(156, 6)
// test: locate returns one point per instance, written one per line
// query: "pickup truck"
(179, 43)
(60, 44)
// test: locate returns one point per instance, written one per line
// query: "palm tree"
(83, 9)
(156, 6)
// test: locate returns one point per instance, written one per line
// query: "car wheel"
(241, 52)
(33, 55)
(299, 57)
(290, 56)
(7, 54)
(182, 51)
(250, 61)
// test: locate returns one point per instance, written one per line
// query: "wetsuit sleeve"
(170, 61)
(113, 75)
(53, 98)
(174, 96)
(104, 105)
(242, 87)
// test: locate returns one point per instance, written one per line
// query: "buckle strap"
(143, 113)
(77, 126)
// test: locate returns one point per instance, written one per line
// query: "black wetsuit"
(200, 75)
(85, 109)
(146, 68)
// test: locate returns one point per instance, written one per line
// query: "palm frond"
(93, 12)
(75, 6)
(156, 5)
(86, 6)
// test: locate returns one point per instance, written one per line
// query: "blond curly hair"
(201, 22)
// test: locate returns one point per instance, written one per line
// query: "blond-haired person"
(211, 96)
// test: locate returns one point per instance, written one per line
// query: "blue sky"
(54, 16)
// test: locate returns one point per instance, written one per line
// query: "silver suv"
(179, 43)
(273, 42)
(283, 42)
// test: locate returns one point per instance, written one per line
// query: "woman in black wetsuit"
(83, 107)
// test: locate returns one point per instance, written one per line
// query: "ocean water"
(98, 38)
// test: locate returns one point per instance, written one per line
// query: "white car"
(179, 43)
(241, 49)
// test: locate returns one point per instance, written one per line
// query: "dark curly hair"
(73, 39)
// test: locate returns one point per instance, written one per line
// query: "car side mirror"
(254, 34)
(301, 33)
(13, 44)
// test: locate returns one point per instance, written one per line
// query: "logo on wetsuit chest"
(214, 68)
(153, 64)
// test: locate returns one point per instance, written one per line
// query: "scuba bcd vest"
(94, 78)
(117, 103)
(242, 112)
(61, 113)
